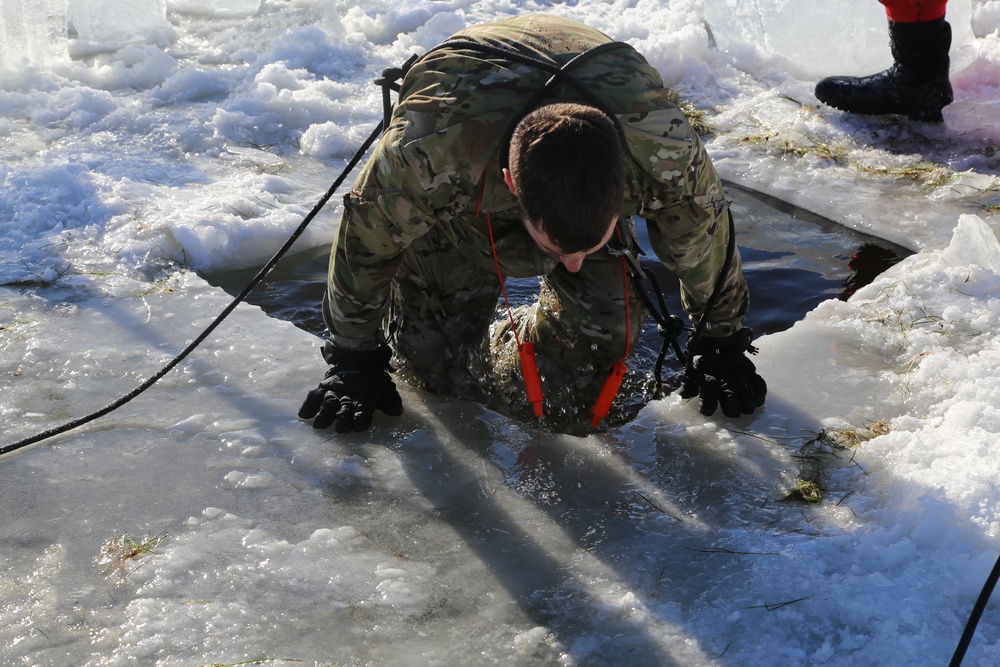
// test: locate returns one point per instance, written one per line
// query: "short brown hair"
(568, 165)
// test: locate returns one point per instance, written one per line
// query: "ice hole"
(792, 259)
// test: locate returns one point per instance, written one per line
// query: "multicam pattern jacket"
(452, 117)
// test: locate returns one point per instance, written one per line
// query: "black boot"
(916, 86)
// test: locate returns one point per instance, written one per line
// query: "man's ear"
(509, 181)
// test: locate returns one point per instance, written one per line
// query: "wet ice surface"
(356, 546)
(366, 548)
(451, 532)
(452, 535)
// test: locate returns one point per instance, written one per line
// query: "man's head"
(567, 169)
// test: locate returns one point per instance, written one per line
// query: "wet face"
(572, 261)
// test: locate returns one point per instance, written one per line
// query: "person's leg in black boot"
(917, 85)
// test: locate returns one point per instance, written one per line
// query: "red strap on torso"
(526, 351)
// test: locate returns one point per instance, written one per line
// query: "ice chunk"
(242, 480)
(222, 8)
(973, 244)
(331, 19)
(823, 38)
(112, 24)
(32, 32)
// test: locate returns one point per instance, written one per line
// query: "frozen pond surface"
(453, 535)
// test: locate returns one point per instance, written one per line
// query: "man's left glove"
(357, 384)
(721, 374)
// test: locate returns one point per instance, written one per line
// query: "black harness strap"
(388, 82)
(669, 326)
(560, 74)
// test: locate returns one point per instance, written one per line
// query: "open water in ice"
(793, 260)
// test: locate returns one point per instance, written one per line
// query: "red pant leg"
(913, 11)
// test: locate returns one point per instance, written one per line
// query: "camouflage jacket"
(452, 115)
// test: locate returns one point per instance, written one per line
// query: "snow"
(144, 149)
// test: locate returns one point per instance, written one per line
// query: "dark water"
(792, 260)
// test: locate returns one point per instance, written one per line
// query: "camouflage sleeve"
(383, 214)
(681, 197)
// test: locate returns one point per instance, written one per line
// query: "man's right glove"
(721, 374)
(357, 384)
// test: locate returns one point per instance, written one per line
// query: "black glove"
(719, 371)
(356, 385)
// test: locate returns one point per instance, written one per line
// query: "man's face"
(572, 261)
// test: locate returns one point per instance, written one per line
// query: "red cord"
(614, 381)
(525, 351)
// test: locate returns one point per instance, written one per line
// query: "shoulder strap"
(388, 81)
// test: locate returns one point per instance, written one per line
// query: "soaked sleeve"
(680, 195)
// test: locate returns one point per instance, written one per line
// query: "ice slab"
(823, 38)
(33, 32)
(112, 24)
(974, 244)
(222, 8)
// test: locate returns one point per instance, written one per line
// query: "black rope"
(977, 612)
(6, 449)
(388, 81)
(670, 326)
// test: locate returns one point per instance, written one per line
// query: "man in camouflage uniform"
(432, 226)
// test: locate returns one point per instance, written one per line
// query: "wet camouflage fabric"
(412, 254)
